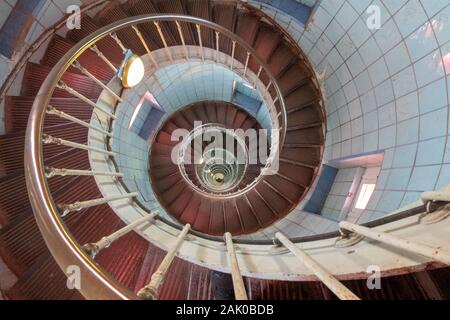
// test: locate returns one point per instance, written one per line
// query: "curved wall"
(173, 86)
(386, 90)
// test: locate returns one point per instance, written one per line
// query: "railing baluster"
(217, 46)
(118, 41)
(95, 49)
(327, 278)
(246, 63)
(47, 139)
(163, 39)
(52, 172)
(258, 75)
(434, 253)
(232, 55)
(238, 282)
(150, 291)
(84, 71)
(63, 115)
(94, 248)
(200, 42)
(145, 45)
(61, 85)
(77, 206)
(180, 33)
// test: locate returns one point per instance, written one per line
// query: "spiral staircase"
(253, 203)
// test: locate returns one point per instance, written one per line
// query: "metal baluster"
(84, 71)
(47, 139)
(61, 85)
(150, 291)
(232, 55)
(145, 45)
(63, 115)
(52, 172)
(435, 253)
(327, 278)
(95, 49)
(80, 205)
(94, 248)
(163, 39)
(180, 32)
(118, 41)
(238, 282)
(199, 34)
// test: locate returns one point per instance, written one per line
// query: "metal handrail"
(54, 231)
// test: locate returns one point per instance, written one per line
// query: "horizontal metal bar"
(63, 115)
(77, 206)
(341, 291)
(51, 172)
(47, 139)
(434, 253)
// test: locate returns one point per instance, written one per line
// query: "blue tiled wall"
(323, 187)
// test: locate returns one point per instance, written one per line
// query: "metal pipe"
(145, 45)
(47, 139)
(238, 282)
(84, 71)
(95, 49)
(52, 172)
(150, 291)
(94, 248)
(200, 42)
(80, 205)
(118, 41)
(341, 291)
(63, 115)
(61, 85)
(434, 253)
(163, 39)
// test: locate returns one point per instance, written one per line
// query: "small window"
(364, 195)
(147, 98)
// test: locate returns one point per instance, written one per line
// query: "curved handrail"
(55, 233)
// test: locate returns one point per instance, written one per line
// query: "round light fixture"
(133, 71)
